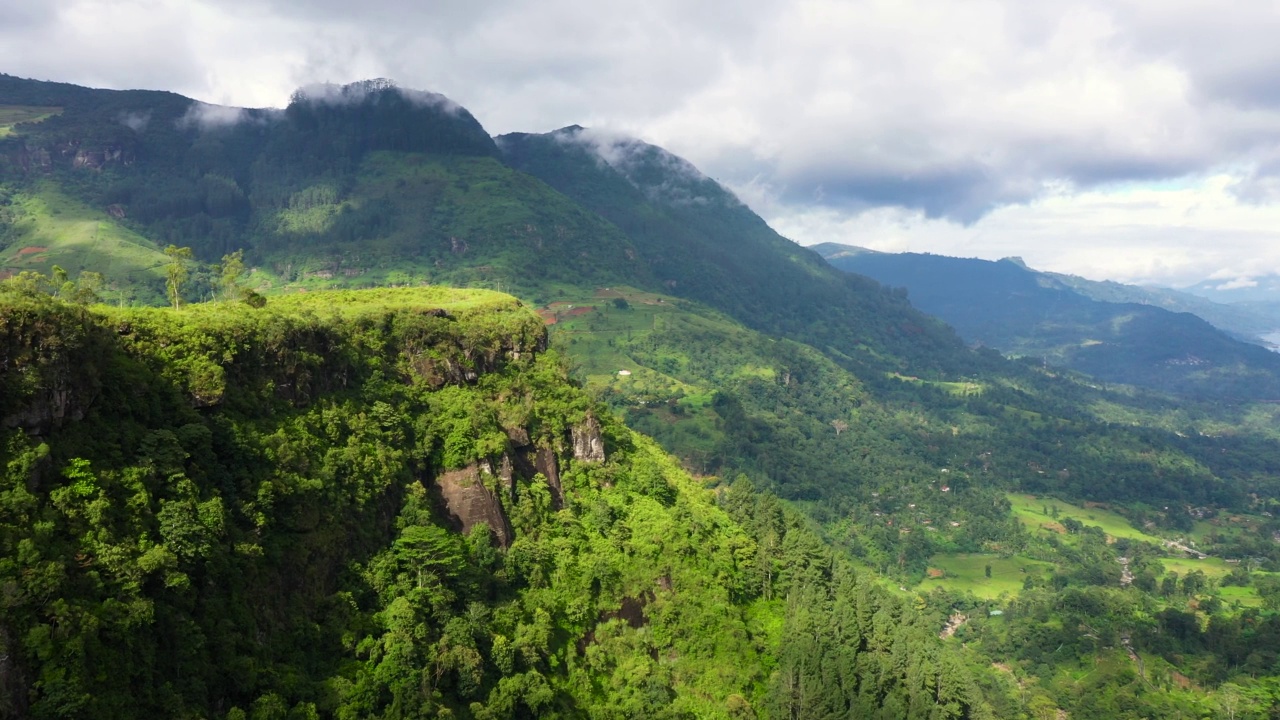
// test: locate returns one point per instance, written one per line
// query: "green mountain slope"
(1008, 306)
(705, 245)
(224, 511)
(48, 228)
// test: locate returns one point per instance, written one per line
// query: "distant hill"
(1006, 305)
(1242, 321)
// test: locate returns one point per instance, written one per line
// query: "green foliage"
(176, 272)
(271, 543)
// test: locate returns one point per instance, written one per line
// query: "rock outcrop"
(545, 462)
(469, 502)
(588, 445)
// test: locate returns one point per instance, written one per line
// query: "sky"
(1115, 139)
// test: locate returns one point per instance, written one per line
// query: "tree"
(840, 426)
(86, 288)
(232, 269)
(1043, 708)
(62, 285)
(176, 272)
(1269, 590)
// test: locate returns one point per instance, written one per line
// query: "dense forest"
(393, 504)
(299, 500)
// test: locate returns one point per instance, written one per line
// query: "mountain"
(1244, 322)
(1009, 306)
(864, 482)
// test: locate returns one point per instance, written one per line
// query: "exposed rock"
(631, 612)
(468, 502)
(48, 409)
(546, 463)
(95, 159)
(505, 473)
(954, 623)
(588, 445)
(456, 363)
(518, 435)
(52, 361)
(37, 159)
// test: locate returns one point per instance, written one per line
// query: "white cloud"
(205, 116)
(136, 121)
(1237, 284)
(1173, 234)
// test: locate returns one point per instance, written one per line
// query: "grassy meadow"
(1031, 511)
(966, 572)
(54, 229)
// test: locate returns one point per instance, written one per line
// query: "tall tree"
(176, 272)
(232, 269)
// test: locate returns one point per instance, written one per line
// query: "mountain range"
(1114, 332)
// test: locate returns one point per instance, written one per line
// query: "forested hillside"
(392, 504)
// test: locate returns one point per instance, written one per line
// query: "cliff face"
(179, 454)
(49, 357)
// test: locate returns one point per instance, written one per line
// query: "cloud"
(1238, 284)
(358, 92)
(661, 175)
(1174, 235)
(208, 117)
(135, 121)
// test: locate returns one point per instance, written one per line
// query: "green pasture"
(1030, 510)
(53, 229)
(966, 572)
(1245, 596)
(1226, 525)
(597, 331)
(965, 388)
(1212, 567)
